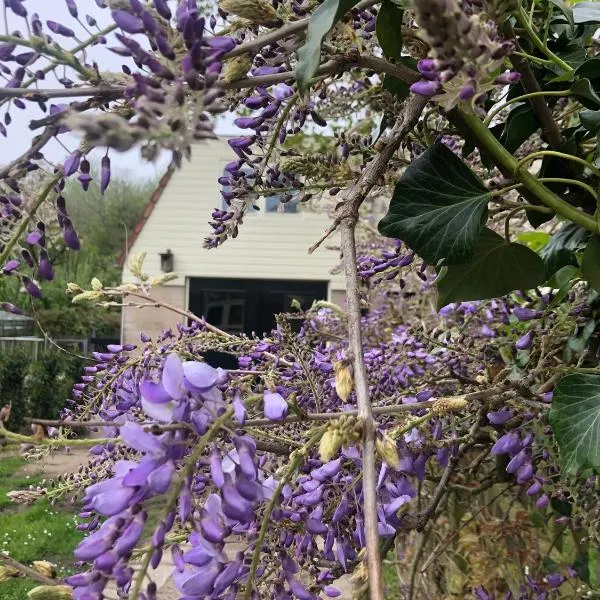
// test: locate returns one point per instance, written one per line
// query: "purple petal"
(154, 392)
(275, 407)
(135, 437)
(172, 376)
(199, 375)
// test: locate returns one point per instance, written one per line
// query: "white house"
(242, 284)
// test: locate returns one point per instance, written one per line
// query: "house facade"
(242, 284)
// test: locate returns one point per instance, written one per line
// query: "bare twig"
(365, 413)
(375, 169)
(75, 92)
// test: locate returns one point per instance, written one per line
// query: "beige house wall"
(152, 321)
(269, 245)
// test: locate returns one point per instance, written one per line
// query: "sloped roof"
(156, 195)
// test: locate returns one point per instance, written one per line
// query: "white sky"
(129, 164)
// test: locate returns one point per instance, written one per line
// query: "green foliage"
(50, 381)
(13, 369)
(520, 124)
(560, 250)
(389, 29)
(575, 420)
(103, 222)
(585, 93)
(438, 208)
(496, 269)
(322, 20)
(39, 388)
(40, 532)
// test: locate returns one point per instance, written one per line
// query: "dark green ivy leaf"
(438, 207)
(321, 21)
(585, 93)
(521, 123)
(398, 88)
(389, 29)
(586, 12)
(575, 420)
(590, 69)
(560, 250)
(496, 269)
(590, 267)
(567, 11)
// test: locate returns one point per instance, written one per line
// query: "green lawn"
(36, 532)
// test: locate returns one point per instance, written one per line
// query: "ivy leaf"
(398, 88)
(567, 11)
(389, 29)
(438, 207)
(585, 93)
(521, 123)
(590, 267)
(575, 420)
(322, 20)
(590, 119)
(496, 269)
(586, 12)
(560, 250)
(590, 69)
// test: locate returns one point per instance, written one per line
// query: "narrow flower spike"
(59, 29)
(104, 173)
(128, 22)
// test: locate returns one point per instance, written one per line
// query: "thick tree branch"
(365, 413)
(530, 85)
(356, 195)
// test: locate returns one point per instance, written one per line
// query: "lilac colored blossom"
(275, 407)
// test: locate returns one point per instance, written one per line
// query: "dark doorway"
(250, 305)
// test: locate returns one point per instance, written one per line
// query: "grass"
(37, 532)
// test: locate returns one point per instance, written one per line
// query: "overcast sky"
(19, 138)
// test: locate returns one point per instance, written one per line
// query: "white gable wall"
(269, 245)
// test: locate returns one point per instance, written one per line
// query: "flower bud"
(256, 11)
(236, 68)
(387, 449)
(330, 443)
(96, 284)
(73, 288)
(6, 572)
(45, 568)
(444, 405)
(51, 592)
(343, 380)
